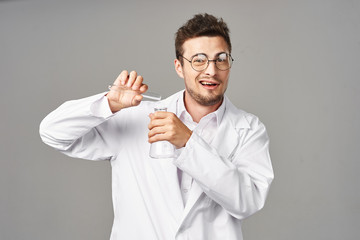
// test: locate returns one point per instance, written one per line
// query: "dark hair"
(201, 25)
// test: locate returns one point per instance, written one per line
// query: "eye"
(223, 57)
(199, 59)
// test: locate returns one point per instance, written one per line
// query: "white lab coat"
(231, 176)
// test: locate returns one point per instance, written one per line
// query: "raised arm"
(83, 129)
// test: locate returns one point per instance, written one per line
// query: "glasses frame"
(208, 61)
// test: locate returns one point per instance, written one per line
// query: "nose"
(211, 68)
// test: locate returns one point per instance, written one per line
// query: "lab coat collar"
(236, 116)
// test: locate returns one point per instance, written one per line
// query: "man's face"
(207, 87)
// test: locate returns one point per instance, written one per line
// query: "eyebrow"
(216, 55)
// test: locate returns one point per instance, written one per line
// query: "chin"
(209, 100)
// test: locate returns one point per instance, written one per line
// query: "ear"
(178, 68)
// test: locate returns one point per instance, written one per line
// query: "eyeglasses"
(200, 61)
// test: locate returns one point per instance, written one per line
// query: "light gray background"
(297, 67)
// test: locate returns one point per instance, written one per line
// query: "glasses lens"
(224, 61)
(199, 62)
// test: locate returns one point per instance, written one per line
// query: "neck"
(196, 110)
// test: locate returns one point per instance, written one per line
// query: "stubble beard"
(209, 100)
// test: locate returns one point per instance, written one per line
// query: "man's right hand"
(126, 91)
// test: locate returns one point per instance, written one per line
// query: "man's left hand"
(167, 126)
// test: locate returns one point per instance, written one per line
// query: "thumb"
(136, 100)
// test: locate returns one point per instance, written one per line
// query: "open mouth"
(209, 84)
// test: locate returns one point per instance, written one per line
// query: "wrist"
(114, 105)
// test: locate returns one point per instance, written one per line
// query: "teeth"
(207, 83)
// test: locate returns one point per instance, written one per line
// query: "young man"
(221, 170)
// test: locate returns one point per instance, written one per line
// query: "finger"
(157, 131)
(114, 89)
(131, 79)
(137, 83)
(160, 136)
(117, 80)
(122, 78)
(156, 123)
(136, 100)
(156, 138)
(143, 88)
(162, 115)
(152, 116)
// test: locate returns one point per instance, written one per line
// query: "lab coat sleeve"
(76, 128)
(238, 183)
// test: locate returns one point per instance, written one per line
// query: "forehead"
(208, 45)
